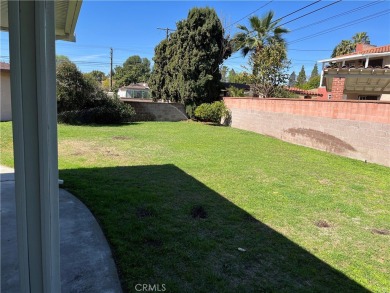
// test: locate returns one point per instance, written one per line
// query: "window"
(368, 98)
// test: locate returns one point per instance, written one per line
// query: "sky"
(130, 28)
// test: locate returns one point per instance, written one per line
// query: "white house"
(5, 93)
(134, 91)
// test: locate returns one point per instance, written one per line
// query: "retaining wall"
(355, 129)
(151, 111)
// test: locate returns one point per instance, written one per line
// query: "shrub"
(80, 100)
(235, 92)
(211, 112)
(106, 111)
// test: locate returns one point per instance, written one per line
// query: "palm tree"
(361, 38)
(347, 46)
(261, 32)
(343, 48)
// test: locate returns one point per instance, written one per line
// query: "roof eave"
(352, 57)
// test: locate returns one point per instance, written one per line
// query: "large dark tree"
(187, 65)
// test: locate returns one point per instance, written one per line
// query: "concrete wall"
(359, 130)
(5, 96)
(150, 111)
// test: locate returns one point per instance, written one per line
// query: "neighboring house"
(226, 85)
(5, 94)
(304, 94)
(361, 75)
(134, 91)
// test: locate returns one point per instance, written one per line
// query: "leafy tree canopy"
(135, 69)
(270, 67)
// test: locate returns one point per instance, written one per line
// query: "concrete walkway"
(86, 260)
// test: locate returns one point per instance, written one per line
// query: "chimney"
(362, 47)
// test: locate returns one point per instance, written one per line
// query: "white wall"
(5, 96)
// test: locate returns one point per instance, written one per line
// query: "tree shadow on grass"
(166, 227)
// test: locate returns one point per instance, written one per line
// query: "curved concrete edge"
(87, 264)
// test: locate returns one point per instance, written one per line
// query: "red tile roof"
(299, 91)
(4, 66)
(381, 49)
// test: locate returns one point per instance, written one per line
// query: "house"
(5, 94)
(361, 75)
(134, 91)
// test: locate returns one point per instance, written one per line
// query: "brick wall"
(355, 129)
(150, 111)
(338, 88)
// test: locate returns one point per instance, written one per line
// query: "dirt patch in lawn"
(322, 224)
(90, 149)
(380, 231)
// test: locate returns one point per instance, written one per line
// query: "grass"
(201, 208)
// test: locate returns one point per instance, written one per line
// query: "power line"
(249, 14)
(338, 15)
(296, 11)
(311, 12)
(347, 24)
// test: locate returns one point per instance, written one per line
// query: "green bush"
(80, 100)
(111, 111)
(211, 112)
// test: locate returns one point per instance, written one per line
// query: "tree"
(292, 80)
(349, 46)
(80, 100)
(343, 48)
(96, 75)
(312, 83)
(301, 79)
(190, 59)
(231, 76)
(361, 38)
(134, 70)
(61, 58)
(224, 72)
(261, 32)
(314, 72)
(160, 76)
(242, 77)
(270, 69)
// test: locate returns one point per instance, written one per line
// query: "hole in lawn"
(380, 231)
(322, 224)
(121, 137)
(198, 212)
(145, 212)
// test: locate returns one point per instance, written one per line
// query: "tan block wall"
(150, 111)
(5, 96)
(345, 128)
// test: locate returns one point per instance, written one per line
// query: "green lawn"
(177, 200)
